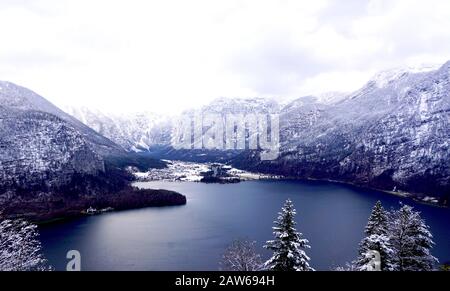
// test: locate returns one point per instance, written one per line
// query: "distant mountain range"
(42, 144)
(393, 133)
(134, 132)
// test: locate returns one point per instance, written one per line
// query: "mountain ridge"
(52, 165)
(393, 133)
(387, 137)
(17, 97)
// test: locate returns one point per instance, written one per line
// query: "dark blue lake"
(193, 237)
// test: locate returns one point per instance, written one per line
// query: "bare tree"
(241, 255)
(20, 249)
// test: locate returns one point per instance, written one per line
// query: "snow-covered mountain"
(134, 132)
(393, 133)
(40, 149)
(52, 165)
(330, 98)
(15, 97)
(146, 131)
(241, 105)
(41, 146)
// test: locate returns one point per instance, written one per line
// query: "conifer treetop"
(288, 245)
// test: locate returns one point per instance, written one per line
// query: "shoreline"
(401, 194)
(56, 209)
(274, 178)
(82, 213)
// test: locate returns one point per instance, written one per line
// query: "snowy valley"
(393, 134)
(179, 171)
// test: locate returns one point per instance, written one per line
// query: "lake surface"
(193, 237)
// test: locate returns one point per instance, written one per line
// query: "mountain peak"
(446, 66)
(15, 97)
(383, 78)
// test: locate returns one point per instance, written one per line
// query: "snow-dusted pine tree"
(20, 249)
(377, 239)
(378, 221)
(412, 241)
(241, 256)
(288, 246)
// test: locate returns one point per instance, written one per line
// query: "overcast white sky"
(127, 55)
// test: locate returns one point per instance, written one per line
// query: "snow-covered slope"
(39, 149)
(19, 98)
(134, 132)
(52, 165)
(241, 105)
(146, 130)
(330, 98)
(43, 149)
(392, 133)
